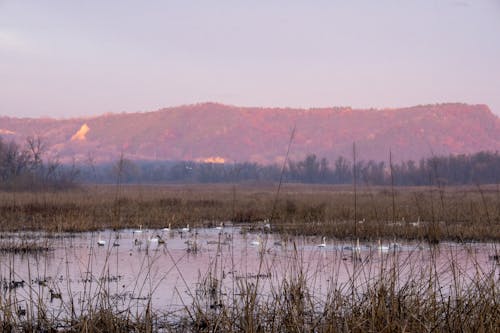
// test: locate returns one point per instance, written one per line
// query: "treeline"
(479, 168)
(27, 168)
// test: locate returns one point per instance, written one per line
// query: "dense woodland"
(24, 167)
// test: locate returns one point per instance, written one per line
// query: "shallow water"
(173, 274)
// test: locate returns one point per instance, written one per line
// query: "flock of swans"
(357, 248)
(151, 237)
(157, 238)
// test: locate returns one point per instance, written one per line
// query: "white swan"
(185, 229)
(101, 242)
(267, 225)
(138, 231)
(323, 243)
(192, 245)
(382, 248)
(166, 229)
(256, 242)
(416, 224)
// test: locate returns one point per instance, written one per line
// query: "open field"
(423, 213)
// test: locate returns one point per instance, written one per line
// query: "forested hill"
(213, 132)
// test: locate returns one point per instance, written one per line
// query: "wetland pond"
(170, 269)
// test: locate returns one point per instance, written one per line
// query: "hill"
(215, 132)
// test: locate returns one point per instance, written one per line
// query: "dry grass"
(458, 213)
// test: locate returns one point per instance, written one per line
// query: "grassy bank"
(455, 213)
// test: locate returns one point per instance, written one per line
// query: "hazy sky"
(81, 58)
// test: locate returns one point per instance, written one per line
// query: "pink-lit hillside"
(217, 133)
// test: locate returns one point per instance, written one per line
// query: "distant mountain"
(216, 133)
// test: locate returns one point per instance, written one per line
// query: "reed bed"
(455, 213)
(383, 304)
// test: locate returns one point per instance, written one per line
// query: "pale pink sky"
(83, 58)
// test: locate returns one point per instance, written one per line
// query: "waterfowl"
(267, 225)
(115, 242)
(192, 245)
(220, 227)
(138, 231)
(382, 248)
(356, 248)
(256, 242)
(166, 229)
(185, 229)
(54, 295)
(101, 242)
(417, 223)
(157, 239)
(21, 311)
(323, 243)
(494, 257)
(154, 239)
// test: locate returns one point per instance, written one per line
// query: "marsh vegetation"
(121, 258)
(421, 213)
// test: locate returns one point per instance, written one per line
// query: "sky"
(64, 58)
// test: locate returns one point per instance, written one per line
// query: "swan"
(101, 242)
(255, 242)
(220, 227)
(323, 243)
(138, 231)
(166, 229)
(382, 248)
(357, 248)
(267, 225)
(192, 244)
(416, 224)
(185, 229)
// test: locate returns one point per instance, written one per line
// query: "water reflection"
(171, 268)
